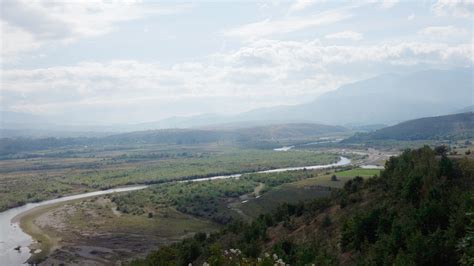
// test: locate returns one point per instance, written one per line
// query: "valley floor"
(114, 229)
(94, 232)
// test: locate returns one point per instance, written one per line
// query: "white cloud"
(264, 72)
(456, 8)
(270, 27)
(303, 4)
(444, 31)
(62, 22)
(15, 40)
(312, 53)
(387, 4)
(345, 35)
(411, 17)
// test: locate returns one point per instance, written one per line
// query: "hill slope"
(448, 126)
(415, 213)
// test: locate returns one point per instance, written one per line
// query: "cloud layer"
(280, 71)
(36, 23)
(299, 52)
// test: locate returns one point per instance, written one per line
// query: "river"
(11, 235)
(343, 161)
(320, 141)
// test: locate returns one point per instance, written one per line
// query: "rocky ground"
(93, 232)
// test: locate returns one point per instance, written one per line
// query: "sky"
(138, 61)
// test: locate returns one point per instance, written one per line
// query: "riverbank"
(15, 243)
(44, 241)
(91, 231)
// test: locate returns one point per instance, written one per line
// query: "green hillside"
(441, 127)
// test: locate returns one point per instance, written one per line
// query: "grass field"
(37, 179)
(460, 147)
(317, 184)
(342, 177)
(286, 193)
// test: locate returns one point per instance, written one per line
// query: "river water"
(320, 141)
(343, 161)
(11, 235)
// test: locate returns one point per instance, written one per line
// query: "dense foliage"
(418, 212)
(422, 215)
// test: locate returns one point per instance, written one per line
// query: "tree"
(441, 150)
(327, 221)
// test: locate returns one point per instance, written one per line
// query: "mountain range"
(386, 99)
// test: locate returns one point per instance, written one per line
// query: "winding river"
(11, 235)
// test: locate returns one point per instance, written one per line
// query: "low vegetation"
(75, 175)
(202, 199)
(213, 199)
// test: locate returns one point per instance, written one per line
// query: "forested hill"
(440, 127)
(418, 212)
(292, 131)
(177, 136)
(269, 132)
